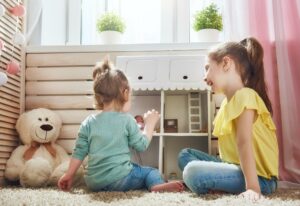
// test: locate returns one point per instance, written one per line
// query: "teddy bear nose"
(46, 127)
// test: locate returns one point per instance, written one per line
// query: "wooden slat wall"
(65, 89)
(11, 93)
(63, 83)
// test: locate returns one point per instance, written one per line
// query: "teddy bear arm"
(15, 163)
(62, 154)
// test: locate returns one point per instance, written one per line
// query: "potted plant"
(110, 27)
(208, 23)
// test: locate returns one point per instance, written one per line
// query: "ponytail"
(248, 57)
(256, 76)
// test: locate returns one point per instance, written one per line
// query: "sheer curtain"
(91, 10)
(277, 26)
(287, 30)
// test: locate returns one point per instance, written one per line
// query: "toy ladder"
(194, 108)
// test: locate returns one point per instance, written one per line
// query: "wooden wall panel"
(69, 131)
(11, 93)
(58, 73)
(74, 116)
(59, 102)
(63, 83)
(59, 88)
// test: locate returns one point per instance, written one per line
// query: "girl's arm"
(244, 124)
(65, 182)
(73, 166)
(150, 118)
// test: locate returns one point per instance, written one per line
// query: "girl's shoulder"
(245, 93)
(243, 97)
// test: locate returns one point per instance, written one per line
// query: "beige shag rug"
(80, 196)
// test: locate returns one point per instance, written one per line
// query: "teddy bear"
(39, 161)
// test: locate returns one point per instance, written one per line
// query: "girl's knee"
(182, 158)
(190, 170)
(183, 153)
(197, 170)
(192, 177)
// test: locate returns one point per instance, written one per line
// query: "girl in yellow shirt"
(244, 127)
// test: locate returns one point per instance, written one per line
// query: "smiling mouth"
(209, 83)
(41, 137)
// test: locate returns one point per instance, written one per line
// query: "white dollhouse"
(174, 86)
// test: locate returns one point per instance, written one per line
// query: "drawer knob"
(140, 77)
(185, 77)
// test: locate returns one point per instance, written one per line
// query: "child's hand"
(65, 182)
(251, 195)
(151, 118)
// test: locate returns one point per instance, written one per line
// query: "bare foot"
(174, 186)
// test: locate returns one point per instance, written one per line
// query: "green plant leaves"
(110, 22)
(208, 18)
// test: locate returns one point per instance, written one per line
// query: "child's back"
(106, 139)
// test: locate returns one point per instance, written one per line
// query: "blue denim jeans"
(203, 172)
(139, 178)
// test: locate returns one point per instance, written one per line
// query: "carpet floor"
(11, 196)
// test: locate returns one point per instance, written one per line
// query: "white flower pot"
(208, 35)
(110, 37)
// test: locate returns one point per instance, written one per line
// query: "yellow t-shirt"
(265, 145)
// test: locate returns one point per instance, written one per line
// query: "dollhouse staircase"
(194, 108)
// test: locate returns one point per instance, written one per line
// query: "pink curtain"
(287, 36)
(277, 26)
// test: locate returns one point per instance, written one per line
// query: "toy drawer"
(139, 71)
(186, 70)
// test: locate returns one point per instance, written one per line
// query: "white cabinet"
(174, 86)
(186, 70)
(142, 71)
(164, 72)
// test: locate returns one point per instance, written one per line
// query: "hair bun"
(102, 68)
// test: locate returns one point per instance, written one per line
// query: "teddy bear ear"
(21, 128)
(20, 119)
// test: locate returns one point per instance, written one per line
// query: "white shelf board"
(121, 47)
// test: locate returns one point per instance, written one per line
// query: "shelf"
(190, 109)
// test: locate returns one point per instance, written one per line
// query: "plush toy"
(40, 161)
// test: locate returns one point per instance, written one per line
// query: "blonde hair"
(109, 85)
